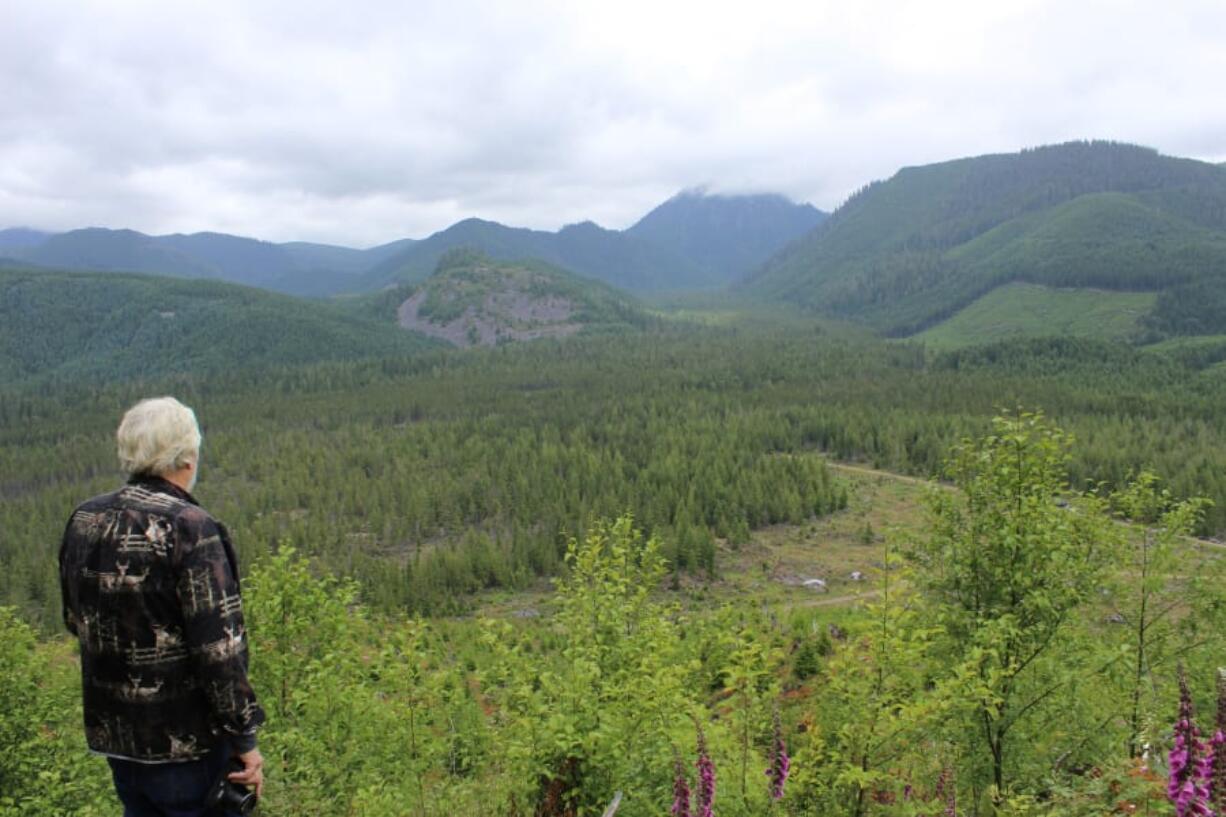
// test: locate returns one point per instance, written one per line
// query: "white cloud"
(375, 120)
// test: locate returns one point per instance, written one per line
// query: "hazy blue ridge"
(693, 241)
(728, 235)
(21, 238)
(297, 268)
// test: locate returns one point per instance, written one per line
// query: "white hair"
(158, 436)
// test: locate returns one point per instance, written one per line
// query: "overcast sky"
(362, 122)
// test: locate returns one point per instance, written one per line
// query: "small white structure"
(857, 576)
(815, 584)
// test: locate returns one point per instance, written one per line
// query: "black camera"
(226, 796)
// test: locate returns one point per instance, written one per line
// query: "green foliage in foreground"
(44, 766)
(1030, 310)
(1006, 690)
(1006, 567)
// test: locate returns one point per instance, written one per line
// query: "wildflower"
(780, 762)
(1217, 776)
(706, 778)
(946, 790)
(1190, 761)
(681, 790)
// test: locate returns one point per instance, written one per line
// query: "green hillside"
(1030, 310)
(904, 254)
(472, 300)
(91, 327)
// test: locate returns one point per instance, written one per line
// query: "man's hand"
(252, 773)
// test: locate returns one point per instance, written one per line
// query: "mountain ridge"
(905, 253)
(621, 258)
(638, 259)
(295, 268)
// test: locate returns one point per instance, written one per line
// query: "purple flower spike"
(1190, 761)
(947, 790)
(681, 790)
(706, 778)
(1217, 775)
(780, 762)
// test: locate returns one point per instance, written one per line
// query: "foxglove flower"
(681, 790)
(780, 762)
(706, 778)
(947, 790)
(1217, 774)
(1190, 762)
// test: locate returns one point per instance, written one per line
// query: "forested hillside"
(472, 300)
(906, 253)
(431, 476)
(91, 328)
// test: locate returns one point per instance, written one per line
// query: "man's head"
(160, 437)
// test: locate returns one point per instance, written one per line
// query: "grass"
(1031, 310)
(883, 508)
(730, 310)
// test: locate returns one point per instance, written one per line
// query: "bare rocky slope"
(472, 300)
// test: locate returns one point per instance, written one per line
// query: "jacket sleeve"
(208, 592)
(66, 606)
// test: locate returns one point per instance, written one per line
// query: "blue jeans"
(168, 789)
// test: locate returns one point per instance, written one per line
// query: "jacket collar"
(162, 486)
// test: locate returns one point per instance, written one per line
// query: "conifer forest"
(528, 579)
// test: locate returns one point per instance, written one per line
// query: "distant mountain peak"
(729, 234)
(583, 226)
(706, 193)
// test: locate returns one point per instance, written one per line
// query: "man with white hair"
(150, 588)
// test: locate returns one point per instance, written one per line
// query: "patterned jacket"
(150, 589)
